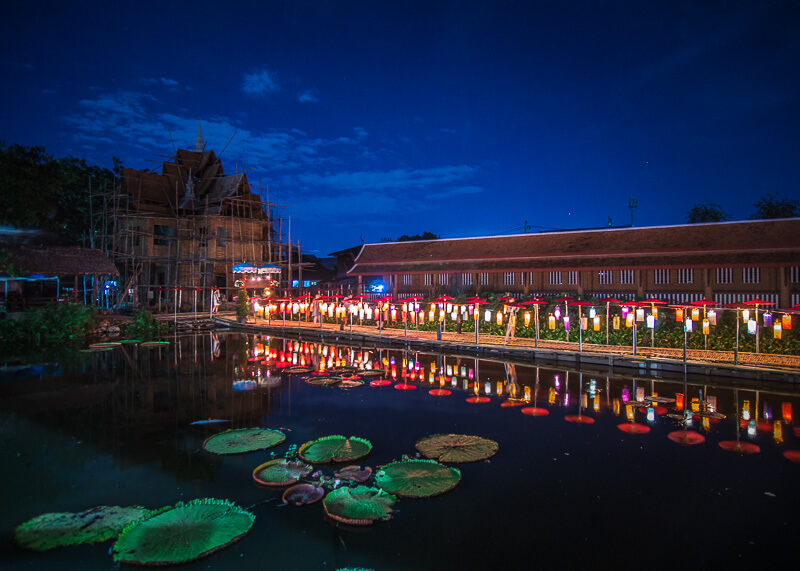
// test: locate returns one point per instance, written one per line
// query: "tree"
(406, 238)
(708, 212)
(52, 194)
(771, 206)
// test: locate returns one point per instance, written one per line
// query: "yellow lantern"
(527, 318)
(597, 323)
(499, 317)
(679, 314)
(695, 313)
(499, 388)
(551, 321)
(778, 330)
(441, 315)
(616, 406)
(629, 320)
(706, 327)
(616, 322)
(527, 394)
(405, 307)
(655, 312)
(430, 315)
(777, 431)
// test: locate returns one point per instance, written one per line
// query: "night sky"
(376, 119)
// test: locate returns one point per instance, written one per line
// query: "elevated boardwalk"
(647, 360)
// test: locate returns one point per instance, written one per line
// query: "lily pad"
(303, 494)
(457, 447)
(281, 472)
(154, 343)
(417, 478)
(323, 381)
(182, 533)
(298, 369)
(372, 373)
(96, 524)
(349, 383)
(359, 506)
(242, 440)
(335, 448)
(354, 473)
(343, 369)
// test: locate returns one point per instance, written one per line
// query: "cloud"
(308, 96)
(396, 179)
(456, 191)
(361, 133)
(258, 84)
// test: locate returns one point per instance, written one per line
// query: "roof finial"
(199, 143)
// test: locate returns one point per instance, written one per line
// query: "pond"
(570, 487)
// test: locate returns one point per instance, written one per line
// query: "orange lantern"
(679, 314)
(629, 320)
(786, 321)
(527, 319)
(597, 323)
(706, 327)
(695, 313)
(786, 410)
(778, 330)
(499, 317)
(551, 321)
(679, 401)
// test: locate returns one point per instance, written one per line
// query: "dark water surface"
(556, 495)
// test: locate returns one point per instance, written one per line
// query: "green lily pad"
(372, 373)
(281, 472)
(154, 343)
(182, 533)
(298, 369)
(349, 384)
(323, 381)
(96, 524)
(457, 447)
(335, 449)
(359, 506)
(417, 478)
(243, 440)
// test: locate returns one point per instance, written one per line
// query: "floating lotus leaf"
(417, 478)
(359, 506)
(303, 494)
(457, 447)
(299, 369)
(344, 369)
(281, 472)
(335, 449)
(323, 381)
(154, 343)
(242, 440)
(183, 533)
(349, 384)
(354, 473)
(51, 530)
(111, 344)
(372, 373)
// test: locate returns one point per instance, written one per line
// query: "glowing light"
(786, 321)
(651, 414)
(751, 428)
(629, 412)
(651, 321)
(712, 317)
(751, 326)
(695, 313)
(499, 388)
(527, 319)
(499, 318)
(487, 387)
(688, 325)
(745, 315)
(706, 327)
(777, 431)
(655, 312)
(596, 321)
(639, 314)
(629, 320)
(767, 319)
(487, 316)
(584, 323)
(449, 371)
(592, 312)
(558, 312)
(566, 323)
(551, 321)
(615, 404)
(527, 394)
(471, 374)
(777, 330)
(616, 322)
(679, 400)
(679, 314)
(786, 412)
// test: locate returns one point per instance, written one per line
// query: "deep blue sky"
(375, 119)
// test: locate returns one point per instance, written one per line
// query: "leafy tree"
(771, 206)
(708, 212)
(53, 194)
(406, 238)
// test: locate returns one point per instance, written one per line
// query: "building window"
(605, 278)
(555, 278)
(627, 277)
(572, 278)
(685, 275)
(428, 279)
(390, 281)
(661, 276)
(166, 231)
(724, 275)
(484, 278)
(407, 279)
(466, 279)
(794, 274)
(508, 278)
(222, 233)
(751, 275)
(444, 279)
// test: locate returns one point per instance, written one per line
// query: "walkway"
(699, 361)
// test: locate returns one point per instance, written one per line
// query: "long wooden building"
(726, 262)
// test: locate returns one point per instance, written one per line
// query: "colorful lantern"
(679, 314)
(499, 388)
(745, 315)
(655, 312)
(767, 319)
(679, 401)
(786, 410)
(596, 320)
(499, 317)
(651, 321)
(616, 322)
(688, 324)
(786, 321)
(527, 318)
(706, 327)
(751, 326)
(551, 321)
(778, 330)
(592, 312)
(487, 316)
(557, 312)
(712, 317)
(695, 313)
(584, 323)
(566, 323)
(629, 320)
(639, 314)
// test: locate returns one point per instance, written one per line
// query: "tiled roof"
(757, 242)
(61, 260)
